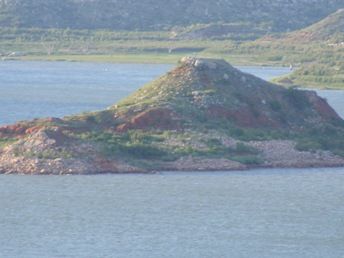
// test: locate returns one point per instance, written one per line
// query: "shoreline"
(139, 58)
(154, 59)
(164, 171)
(248, 169)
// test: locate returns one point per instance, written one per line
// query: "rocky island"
(202, 115)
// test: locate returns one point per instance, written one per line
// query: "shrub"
(256, 134)
(143, 137)
(5, 142)
(307, 145)
(213, 143)
(142, 151)
(245, 149)
(328, 137)
(247, 159)
(188, 151)
(136, 144)
(275, 105)
(297, 98)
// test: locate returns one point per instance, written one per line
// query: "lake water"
(41, 89)
(264, 213)
(268, 213)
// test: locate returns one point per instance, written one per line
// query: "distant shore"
(143, 58)
(139, 58)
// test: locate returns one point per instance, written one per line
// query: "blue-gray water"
(263, 213)
(40, 89)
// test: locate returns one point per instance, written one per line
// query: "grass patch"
(297, 98)
(134, 144)
(248, 159)
(217, 150)
(46, 154)
(140, 151)
(6, 141)
(257, 134)
(328, 138)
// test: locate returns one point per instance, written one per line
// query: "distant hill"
(317, 51)
(275, 15)
(329, 29)
(220, 31)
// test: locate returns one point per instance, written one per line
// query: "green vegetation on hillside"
(329, 30)
(316, 52)
(161, 15)
(316, 64)
(320, 50)
(6, 141)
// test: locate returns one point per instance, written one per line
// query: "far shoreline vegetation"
(315, 65)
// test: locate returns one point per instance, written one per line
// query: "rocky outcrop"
(40, 156)
(49, 151)
(282, 153)
(203, 115)
(159, 118)
(244, 117)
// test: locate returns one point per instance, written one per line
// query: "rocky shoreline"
(191, 167)
(87, 160)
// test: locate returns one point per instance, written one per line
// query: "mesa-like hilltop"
(202, 115)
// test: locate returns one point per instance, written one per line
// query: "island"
(204, 115)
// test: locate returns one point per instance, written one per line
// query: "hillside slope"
(202, 115)
(330, 29)
(317, 51)
(278, 15)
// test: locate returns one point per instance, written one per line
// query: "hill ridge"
(200, 85)
(331, 28)
(139, 15)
